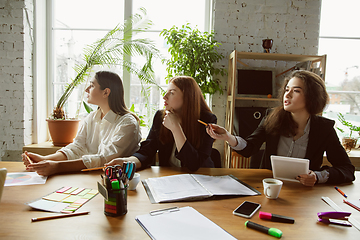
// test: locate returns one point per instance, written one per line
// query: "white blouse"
(98, 141)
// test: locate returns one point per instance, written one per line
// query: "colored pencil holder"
(116, 205)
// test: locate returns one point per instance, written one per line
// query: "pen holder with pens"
(116, 204)
(114, 188)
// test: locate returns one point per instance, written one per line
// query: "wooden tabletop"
(295, 200)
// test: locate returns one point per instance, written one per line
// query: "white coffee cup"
(272, 187)
(134, 182)
(3, 172)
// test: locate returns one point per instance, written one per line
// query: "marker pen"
(275, 217)
(271, 231)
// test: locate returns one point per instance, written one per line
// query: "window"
(81, 22)
(340, 40)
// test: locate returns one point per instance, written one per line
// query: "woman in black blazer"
(295, 130)
(176, 134)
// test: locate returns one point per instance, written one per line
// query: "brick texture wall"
(16, 104)
(242, 24)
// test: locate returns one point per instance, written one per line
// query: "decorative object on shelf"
(110, 50)
(193, 53)
(348, 142)
(267, 44)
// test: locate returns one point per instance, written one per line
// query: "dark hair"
(316, 99)
(116, 97)
(193, 104)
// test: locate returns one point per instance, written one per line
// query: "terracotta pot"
(63, 132)
(349, 143)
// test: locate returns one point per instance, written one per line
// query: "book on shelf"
(188, 187)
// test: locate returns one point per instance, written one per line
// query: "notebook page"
(175, 187)
(223, 185)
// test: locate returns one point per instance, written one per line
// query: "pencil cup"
(134, 182)
(116, 205)
(272, 187)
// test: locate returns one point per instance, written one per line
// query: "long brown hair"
(280, 121)
(116, 97)
(193, 104)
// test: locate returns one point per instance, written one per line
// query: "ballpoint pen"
(341, 192)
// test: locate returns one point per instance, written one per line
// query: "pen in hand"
(203, 123)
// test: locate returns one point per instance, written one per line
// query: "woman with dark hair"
(295, 130)
(109, 132)
(176, 134)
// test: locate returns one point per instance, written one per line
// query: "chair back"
(216, 158)
(3, 172)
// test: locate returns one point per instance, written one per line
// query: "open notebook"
(188, 187)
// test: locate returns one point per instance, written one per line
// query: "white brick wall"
(242, 24)
(16, 107)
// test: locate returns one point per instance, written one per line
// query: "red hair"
(193, 104)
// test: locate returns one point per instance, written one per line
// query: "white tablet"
(288, 168)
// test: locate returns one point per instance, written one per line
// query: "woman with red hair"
(176, 134)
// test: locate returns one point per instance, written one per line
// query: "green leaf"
(87, 107)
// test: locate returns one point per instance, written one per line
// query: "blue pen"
(130, 170)
(127, 167)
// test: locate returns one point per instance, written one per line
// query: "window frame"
(46, 101)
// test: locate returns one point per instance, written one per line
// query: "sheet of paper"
(223, 185)
(47, 205)
(24, 178)
(187, 223)
(179, 187)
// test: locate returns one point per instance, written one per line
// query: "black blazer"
(322, 138)
(189, 156)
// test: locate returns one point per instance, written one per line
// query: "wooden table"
(295, 200)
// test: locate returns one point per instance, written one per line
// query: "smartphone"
(247, 209)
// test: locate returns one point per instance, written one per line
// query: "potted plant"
(193, 53)
(348, 142)
(109, 50)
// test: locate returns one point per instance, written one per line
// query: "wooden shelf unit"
(233, 100)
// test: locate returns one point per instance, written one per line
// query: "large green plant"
(111, 50)
(193, 53)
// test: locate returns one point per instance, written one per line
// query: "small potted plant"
(350, 141)
(107, 51)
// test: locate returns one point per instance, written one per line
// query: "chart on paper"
(24, 178)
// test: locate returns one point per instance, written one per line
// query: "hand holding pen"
(217, 132)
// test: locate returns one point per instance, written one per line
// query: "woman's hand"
(217, 132)
(44, 168)
(29, 158)
(120, 161)
(171, 121)
(307, 179)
